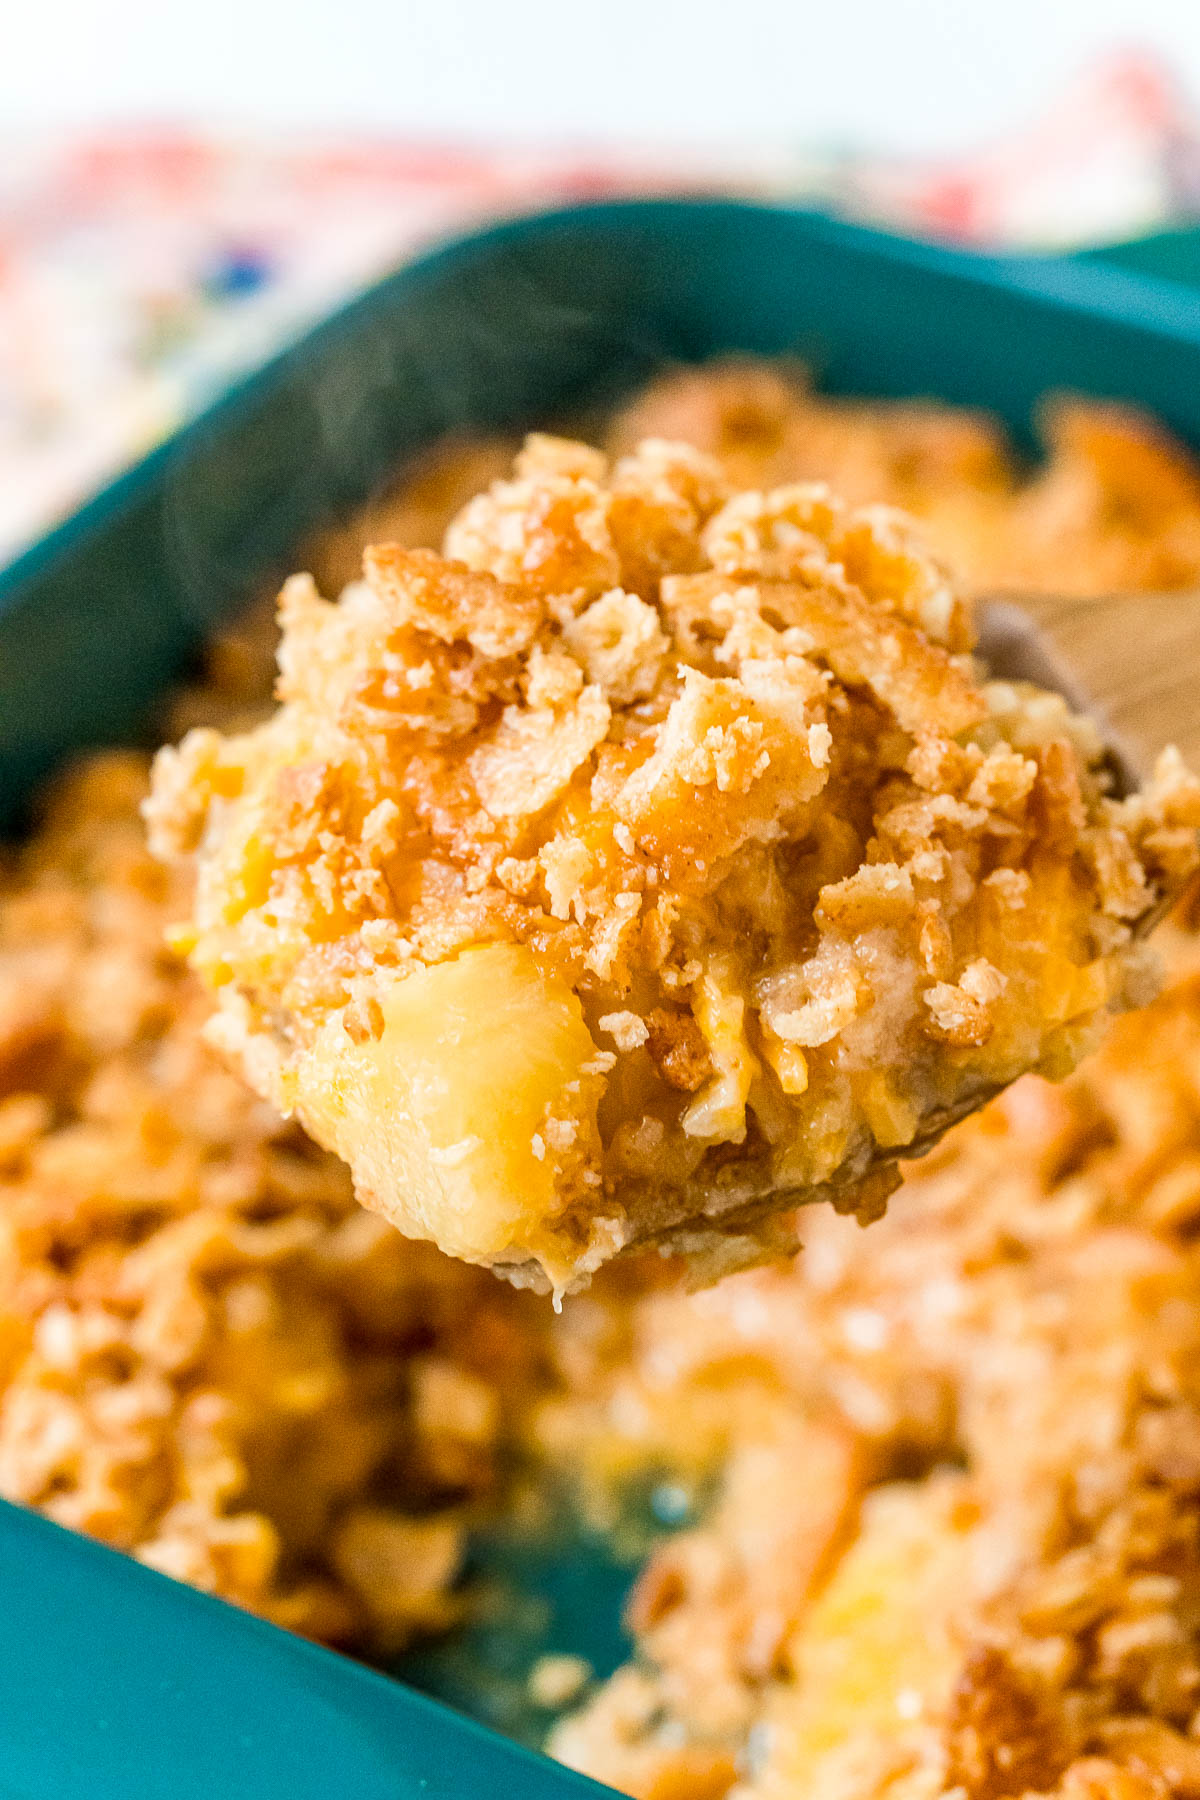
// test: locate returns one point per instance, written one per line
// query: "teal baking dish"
(113, 1680)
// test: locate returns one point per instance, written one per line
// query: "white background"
(897, 74)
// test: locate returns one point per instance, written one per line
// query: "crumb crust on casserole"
(212, 1359)
(655, 858)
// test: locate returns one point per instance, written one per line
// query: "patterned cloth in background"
(141, 272)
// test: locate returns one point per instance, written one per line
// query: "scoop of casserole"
(656, 859)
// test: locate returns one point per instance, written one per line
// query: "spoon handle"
(1137, 658)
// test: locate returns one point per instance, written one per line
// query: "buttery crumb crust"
(673, 838)
(954, 1546)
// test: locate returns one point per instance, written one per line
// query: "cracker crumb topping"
(721, 772)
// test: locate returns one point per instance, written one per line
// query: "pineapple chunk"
(447, 1115)
(872, 1657)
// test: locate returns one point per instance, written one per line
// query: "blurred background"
(907, 75)
(182, 188)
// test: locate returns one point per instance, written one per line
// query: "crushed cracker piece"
(715, 765)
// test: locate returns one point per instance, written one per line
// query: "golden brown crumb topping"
(957, 1546)
(672, 838)
(1114, 507)
(959, 1453)
(213, 1359)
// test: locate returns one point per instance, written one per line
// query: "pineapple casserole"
(956, 1545)
(945, 1540)
(653, 859)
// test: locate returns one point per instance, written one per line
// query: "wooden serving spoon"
(1133, 660)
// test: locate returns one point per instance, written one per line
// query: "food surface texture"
(654, 859)
(944, 1474)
